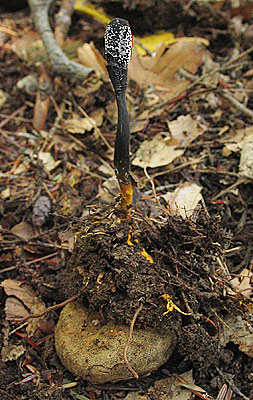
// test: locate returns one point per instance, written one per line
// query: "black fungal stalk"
(118, 50)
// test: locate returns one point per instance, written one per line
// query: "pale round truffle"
(95, 351)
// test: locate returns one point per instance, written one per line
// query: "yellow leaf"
(151, 41)
(87, 8)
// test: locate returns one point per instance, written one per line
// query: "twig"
(239, 106)
(215, 171)
(13, 116)
(60, 62)
(232, 187)
(52, 308)
(42, 102)
(63, 21)
(181, 166)
(129, 340)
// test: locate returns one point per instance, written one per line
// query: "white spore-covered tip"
(118, 43)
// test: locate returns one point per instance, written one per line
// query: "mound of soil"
(112, 274)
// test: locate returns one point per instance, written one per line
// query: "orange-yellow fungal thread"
(148, 257)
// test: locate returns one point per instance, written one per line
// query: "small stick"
(129, 340)
(239, 106)
(63, 21)
(52, 308)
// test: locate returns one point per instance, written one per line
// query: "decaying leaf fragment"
(10, 352)
(80, 125)
(22, 301)
(184, 199)
(238, 330)
(156, 152)
(48, 161)
(161, 71)
(164, 147)
(246, 160)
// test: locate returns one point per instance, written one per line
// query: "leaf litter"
(177, 101)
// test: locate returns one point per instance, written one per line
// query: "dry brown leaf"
(10, 352)
(156, 152)
(23, 293)
(161, 71)
(67, 239)
(184, 199)
(14, 308)
(89, 56)
(23, 230)
(80, 125)
(20, 44)
(238, 331)
(20, 299)
(234, 141)
(5, 193)
(3, 97)
(246, 160)
(90, 87)
(173, 386)
(185, 129)
(48, 161)
(242, 283)
(162, 151)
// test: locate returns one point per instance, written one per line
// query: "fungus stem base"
(126, 200)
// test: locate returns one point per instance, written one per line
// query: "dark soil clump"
(111, 275)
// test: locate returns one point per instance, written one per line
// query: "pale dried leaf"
(22, 298)
(37, 308)
(3, 97)
(48, 161)
(65, 143)
(242, 283)
(21, 292)
(5, 193)
(22, 46)
(137, 125)
(14, 309)
(21, 169)
(23, 230)
(67, 239)
(189, 384)
(238, 331)
(89, 56)
(12, 352)
(172, 386)
(184, 199)
(161, 71)
(90, 87)
(185, 129)
(246, 160)
(98, 116)
(80, 125)
(234, 141)
(156, 152)
(111, 185)
(106, 169)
